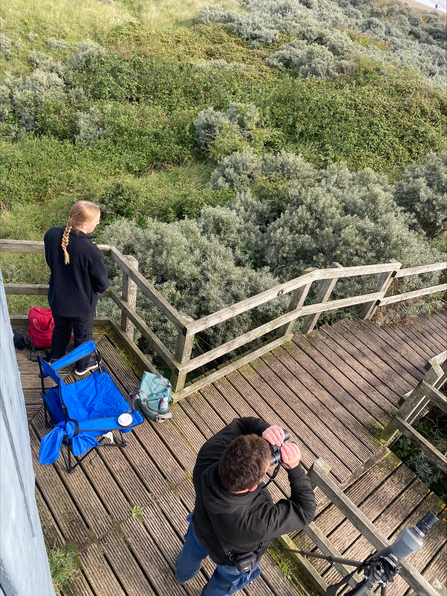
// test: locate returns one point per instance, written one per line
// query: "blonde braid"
(65, 240)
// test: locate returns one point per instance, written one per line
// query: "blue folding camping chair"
(82, 411)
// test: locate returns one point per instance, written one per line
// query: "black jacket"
(242, 522)
(74, 287)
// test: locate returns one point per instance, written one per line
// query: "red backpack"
(41, 326)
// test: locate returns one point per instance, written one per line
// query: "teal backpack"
(153, 397)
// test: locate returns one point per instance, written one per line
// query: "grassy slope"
(149, 164)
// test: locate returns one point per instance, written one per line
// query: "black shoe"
(91, 365)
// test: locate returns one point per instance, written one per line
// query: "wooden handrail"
(36, 246)
(319, 477)
(249, 303)
(181, 363)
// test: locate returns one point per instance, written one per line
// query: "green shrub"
(196, 273)
(222, 133)
(423, 192)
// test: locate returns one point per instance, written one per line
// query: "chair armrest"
(83, 350)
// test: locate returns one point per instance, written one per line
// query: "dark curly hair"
(243, 462)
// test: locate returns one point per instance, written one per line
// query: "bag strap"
(166, 384)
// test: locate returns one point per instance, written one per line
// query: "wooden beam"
(146, 332)
(439, 359)
(129, 292)
(271, 326)
(225, 370)
(296, 302)
(327, 548)
(305, 566)
(36, 246)
(26, 289)
(294, 284)
(414, 294)
(413, 578)
(421, 269)
(385, 280)
(416, 400)
(148, 289)
(433, 454)
(322, 297)
(433, 394)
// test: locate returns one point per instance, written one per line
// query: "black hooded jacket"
(241, 522)
(74, 288)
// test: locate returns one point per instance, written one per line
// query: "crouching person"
(234, 517)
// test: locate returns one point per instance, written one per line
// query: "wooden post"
(323, 296)
(385, 280)
(129, 294)
(433, 454)
(185, 342)
(417, 399)
(297, 301)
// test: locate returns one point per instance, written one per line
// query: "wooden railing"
(181, 362)
(415, 402)
(319, 477)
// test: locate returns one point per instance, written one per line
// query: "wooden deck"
(124, 510)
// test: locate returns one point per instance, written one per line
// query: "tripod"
(380, 568)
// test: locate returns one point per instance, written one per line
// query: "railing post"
(323, 296)
(185, 342)
(129, 294)
(385, 280)
(297, 301)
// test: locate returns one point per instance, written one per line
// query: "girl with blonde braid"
(78, 275)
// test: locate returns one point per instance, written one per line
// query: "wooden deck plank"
(187, 428)
(380, 392)
(379, 377)
(435, 330)
(99, 574)
(407, 348)
(121, 560)
(58, 499)
(379, 360)
(319, 417)
(329, 392)
(395, 353)
(273, 576)
(331, 517)
(438, 567)
(347, 385)
(210, 416)
(297, 423)
(419, 335)
(151, 559)
(301, 377)
(431, 543)
(196, 419)
(219, 404)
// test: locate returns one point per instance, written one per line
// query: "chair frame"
(50, 422)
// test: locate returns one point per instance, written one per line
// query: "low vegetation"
(231, 153)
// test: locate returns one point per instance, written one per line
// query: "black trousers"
(82, 331)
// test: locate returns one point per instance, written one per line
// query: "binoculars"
(275, 457)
